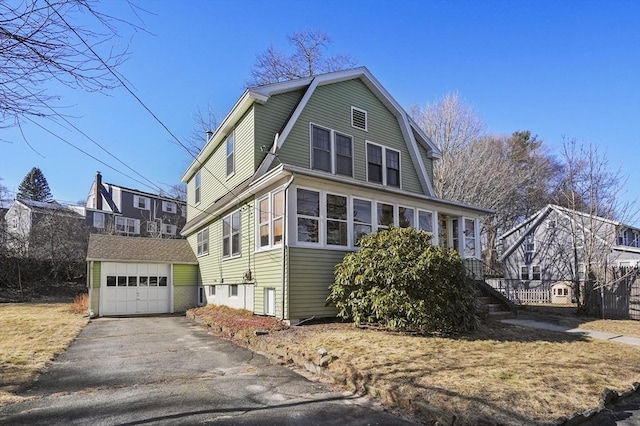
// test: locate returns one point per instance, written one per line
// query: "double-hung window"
(308, 209)
(361, 219)
(196, 181)
(127, 225)
(524, 273)
(231, 235)
(331, 151)
(169, 207)
(203, 242)
(535, 273)
(271, 219)
(142, 203)
(337, 227)
(529, 244)
(169, 229)
(383, 165)
(230, 154)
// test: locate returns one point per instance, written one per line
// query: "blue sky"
(557, 68)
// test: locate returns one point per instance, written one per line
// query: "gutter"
(285, 226)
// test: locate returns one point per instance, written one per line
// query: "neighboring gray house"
(39, 229)
(114, 209)
(556, 247)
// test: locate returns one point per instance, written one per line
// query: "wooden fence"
(621, 301)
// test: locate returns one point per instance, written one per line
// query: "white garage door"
(135, 288)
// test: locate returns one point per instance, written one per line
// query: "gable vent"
(359, 118)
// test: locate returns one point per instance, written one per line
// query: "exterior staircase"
(492, 304)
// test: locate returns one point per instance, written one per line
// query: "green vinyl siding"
(185, 275)
(311, 274)
(271, 119)
(94, 304)
(267, 273)
(330, 107)
(214, 182)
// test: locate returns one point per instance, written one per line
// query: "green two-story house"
(295, 174)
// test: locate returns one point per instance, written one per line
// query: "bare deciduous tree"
(308, 59)
(509, 174)
(590, 191)
(43, 41)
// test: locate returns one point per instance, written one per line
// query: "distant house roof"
(48, 206)
(117, 248)
(148, 194)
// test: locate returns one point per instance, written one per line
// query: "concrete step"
(498, 315)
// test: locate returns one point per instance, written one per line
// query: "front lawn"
(31, 334)
(510, 374)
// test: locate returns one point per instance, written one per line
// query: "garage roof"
(139, 249)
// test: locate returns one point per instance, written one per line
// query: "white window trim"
(520, 268)
(532, 275)
(476, 236)
(231, 137)
(366, 119)
(384, 163)
(136, 225)
(332, 150)
(415, 215)
(352, 223)
(430, 212)
(271, 219)
(167, 209)
(237, 287)
(294, 206)
(172, 229)
(231, 255)
(101, 224)
(138, 198)
(348, 220)
(377, 226)
(200, 251)
(533, 243)
(197, 184)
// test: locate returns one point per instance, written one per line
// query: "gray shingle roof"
(139, 249)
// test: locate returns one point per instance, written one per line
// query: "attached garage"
(136, 275)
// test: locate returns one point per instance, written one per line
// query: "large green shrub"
(399, 280)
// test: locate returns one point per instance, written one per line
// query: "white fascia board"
(536, 222)
(432, 150)
(238, 110)
(416, 158)
(528, 220)
(350, 181)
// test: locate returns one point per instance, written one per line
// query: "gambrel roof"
(411, 132)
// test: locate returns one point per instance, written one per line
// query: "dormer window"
(359, 118)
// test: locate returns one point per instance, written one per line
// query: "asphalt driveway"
(166, 370)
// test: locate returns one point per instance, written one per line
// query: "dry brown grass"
(510, 374)
(31, 334)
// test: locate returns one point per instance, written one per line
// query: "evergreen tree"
(34, 186)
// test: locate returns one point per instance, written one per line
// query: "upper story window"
(127, 225)
(331, 151)
(231, 235)
(143, 203)
(98, 220)
(169, 207)
(203, 242)
(383, 165)
(169, 229)
(359, 118)
(231, 166)
(271, 220)
(529, 244)
(196, 181)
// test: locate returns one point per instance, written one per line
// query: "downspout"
(284, 239)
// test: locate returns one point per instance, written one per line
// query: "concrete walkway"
(600, 335)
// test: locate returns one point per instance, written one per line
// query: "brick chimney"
(98, 190)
